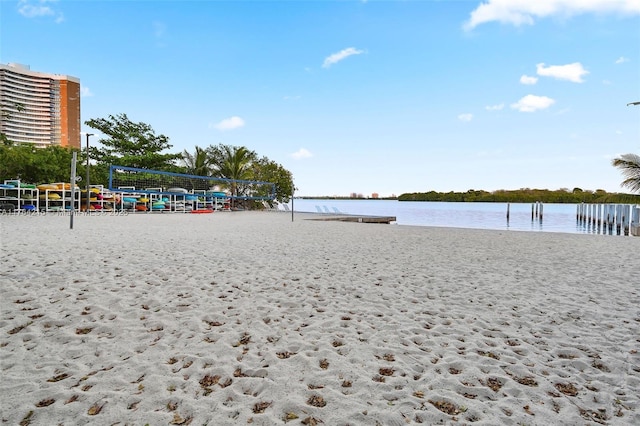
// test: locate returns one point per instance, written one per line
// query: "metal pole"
(88, 205)
(73, 187)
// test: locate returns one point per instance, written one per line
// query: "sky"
(362, 97)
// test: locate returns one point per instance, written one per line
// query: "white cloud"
(230, 123)
(29, 10)
(497, 107)
(525, 79)
(301, 153)
(292, 98)
(39, 8)
(85, 92)
(532, 103)
(337, 57)
(465, 117)
(525, 12)
(622, 60)
(572, 72)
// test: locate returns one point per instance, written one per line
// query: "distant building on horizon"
(39, 108)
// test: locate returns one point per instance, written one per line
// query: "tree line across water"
(525, 195)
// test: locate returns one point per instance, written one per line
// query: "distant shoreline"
(526, 195)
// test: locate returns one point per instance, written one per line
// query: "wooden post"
(634, 229)
(508, 204)
(580, 213)
(541, 207)
(532, 216)
(625, 219)
(586, 215)
(610, 216)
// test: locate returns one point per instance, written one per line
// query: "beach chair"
(269, 207)
(326, 209)
(319, 209)
(286, 207)
(336, 210)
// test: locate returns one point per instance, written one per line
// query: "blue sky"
(361, 96)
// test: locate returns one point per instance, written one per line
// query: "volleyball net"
(145, 181)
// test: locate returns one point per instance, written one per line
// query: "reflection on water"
(522, 216)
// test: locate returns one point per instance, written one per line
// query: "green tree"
(266, 170)
(199, 163)
(241, 164)
(232, 162)
(35, 165)
(129, 144)
(629, 164)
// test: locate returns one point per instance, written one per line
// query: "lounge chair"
(270, 208)
(319, 209)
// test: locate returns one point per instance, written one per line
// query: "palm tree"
(629, 164)
(232, 162)
(199, 163)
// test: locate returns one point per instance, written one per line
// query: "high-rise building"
(39, 108)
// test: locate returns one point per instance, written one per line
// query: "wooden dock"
(357, 218)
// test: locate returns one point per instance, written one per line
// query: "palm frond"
(629, 165)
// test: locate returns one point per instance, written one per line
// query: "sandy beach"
(250, 318)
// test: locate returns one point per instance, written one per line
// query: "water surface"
(555, 217)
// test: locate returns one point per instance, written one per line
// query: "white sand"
(236, 318)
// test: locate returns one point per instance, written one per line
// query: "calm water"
(556, 217)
